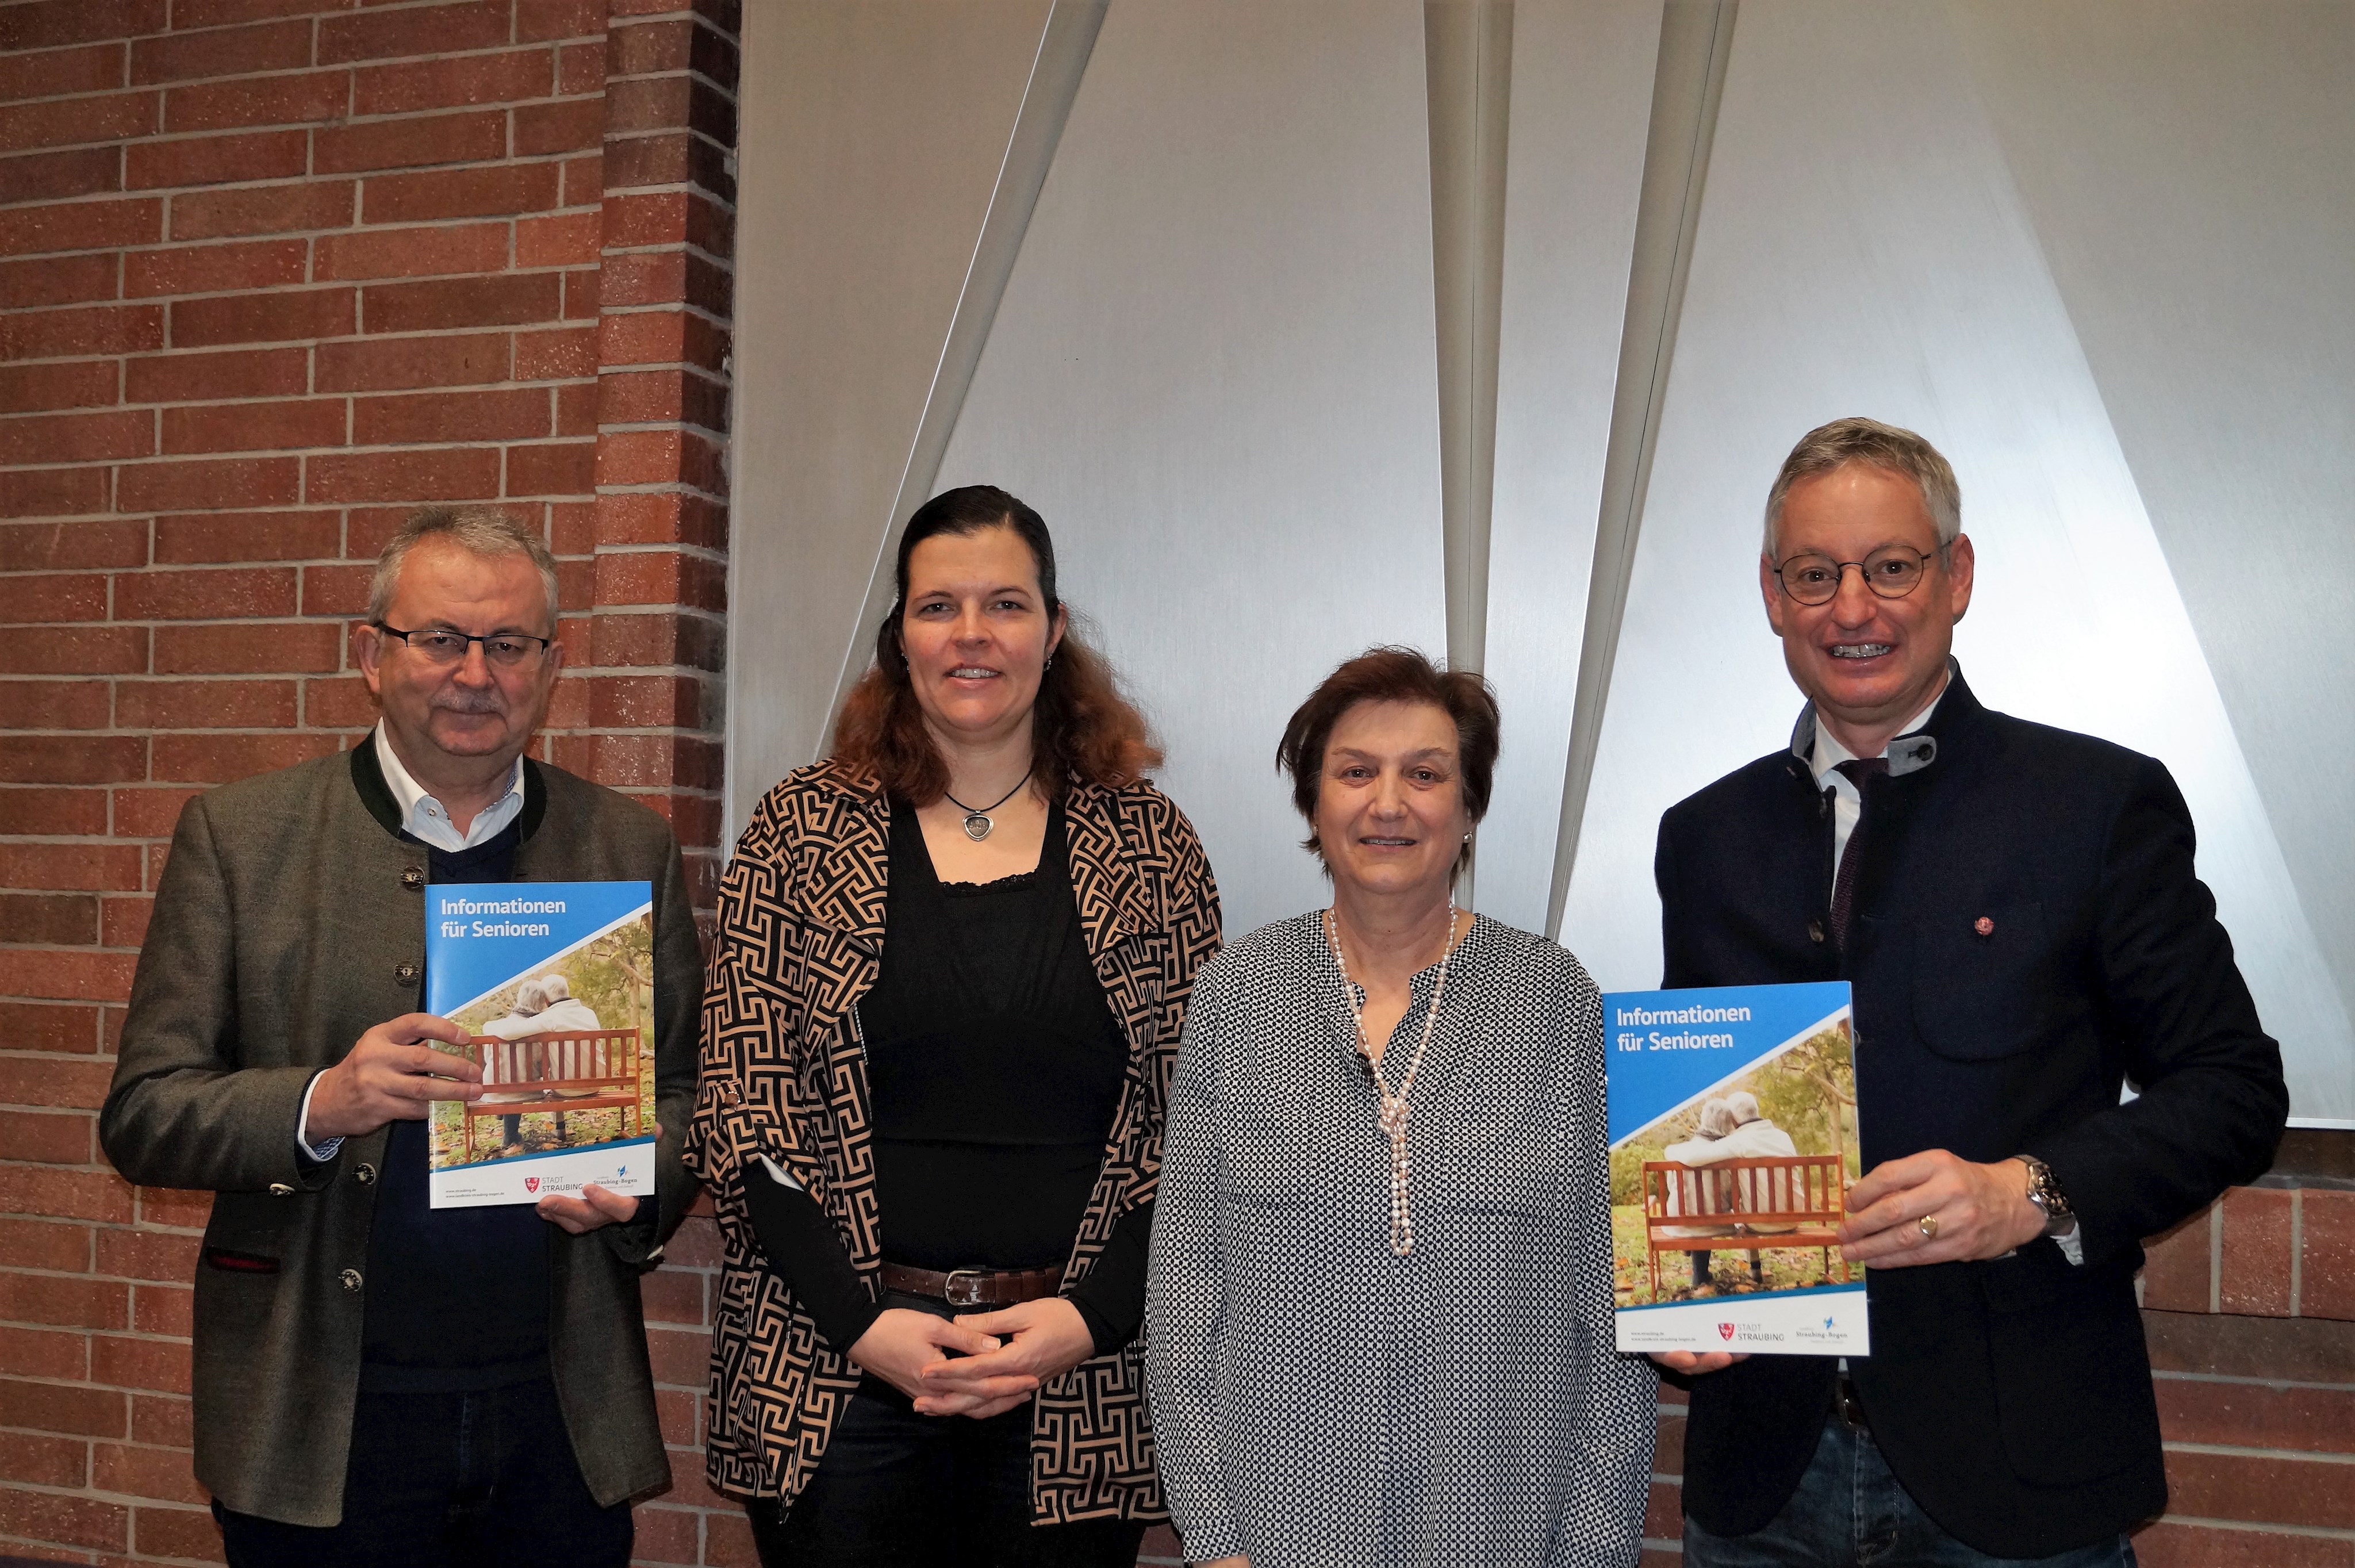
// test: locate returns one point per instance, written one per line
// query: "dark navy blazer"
(2012, 1397)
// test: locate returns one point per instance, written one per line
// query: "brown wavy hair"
(1083, 731)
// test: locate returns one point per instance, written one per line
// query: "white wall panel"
(873, 134)
(2191, 170)
(1910, 285)
(2101, 251)
(1582, 102)
(1213, 371)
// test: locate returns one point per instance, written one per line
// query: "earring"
(1467, 839)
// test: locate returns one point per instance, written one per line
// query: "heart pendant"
(977, 826)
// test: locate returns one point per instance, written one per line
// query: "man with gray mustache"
(376, 1380)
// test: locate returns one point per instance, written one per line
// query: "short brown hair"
(1083, 728)
(1392, 674)
(1881, 447)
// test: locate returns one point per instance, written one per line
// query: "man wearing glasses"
(376, 1380)
(2015, 907)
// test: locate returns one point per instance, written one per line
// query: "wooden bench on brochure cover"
(1745, 1205)
(585, 1069)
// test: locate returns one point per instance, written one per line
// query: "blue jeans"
(1850, 1512)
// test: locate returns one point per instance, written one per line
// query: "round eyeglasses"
(1892, 571)
(438, 644)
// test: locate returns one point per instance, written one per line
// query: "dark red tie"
(1857, 769)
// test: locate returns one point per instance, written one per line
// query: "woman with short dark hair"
(1378, 1317)
(951, 968)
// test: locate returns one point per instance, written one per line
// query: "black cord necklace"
(976, 818)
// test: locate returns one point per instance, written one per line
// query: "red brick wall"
(274, 271)
(2249, 1308)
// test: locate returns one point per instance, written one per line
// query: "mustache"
(470, 702)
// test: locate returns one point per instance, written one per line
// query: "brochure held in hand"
(553, 983)
(1733, 1144)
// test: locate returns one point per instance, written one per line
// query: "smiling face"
(1390, 817)
(1868, 664)
(978, 633)
(471, 710)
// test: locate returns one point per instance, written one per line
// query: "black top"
(457, 1297)
(994, 1061)
(995, 1066)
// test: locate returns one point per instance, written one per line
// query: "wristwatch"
(2046, 1194)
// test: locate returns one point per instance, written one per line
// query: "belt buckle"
(970, 1293)
(1851, 1407)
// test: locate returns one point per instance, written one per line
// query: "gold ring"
(1928, 1225)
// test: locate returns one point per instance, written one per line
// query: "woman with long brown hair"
(951, 965)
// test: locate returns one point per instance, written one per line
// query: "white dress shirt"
(428, 820)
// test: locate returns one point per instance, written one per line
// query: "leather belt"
(973, 1286)
(1849, 1407)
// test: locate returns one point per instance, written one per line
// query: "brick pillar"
(273, 273)
(661, 528)
(661, 578)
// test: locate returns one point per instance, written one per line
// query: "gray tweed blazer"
(290, 919)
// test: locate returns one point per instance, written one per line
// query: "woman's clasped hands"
(980, 1364)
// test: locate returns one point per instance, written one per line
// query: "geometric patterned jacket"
(785, 1074)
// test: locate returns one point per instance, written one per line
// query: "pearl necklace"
(1393, 1108)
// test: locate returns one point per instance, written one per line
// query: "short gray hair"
(1717, 1118)
(478, 530)
(1883, 446)
(1743, 1106)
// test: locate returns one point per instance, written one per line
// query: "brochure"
(1733, 1144)
(554, 983)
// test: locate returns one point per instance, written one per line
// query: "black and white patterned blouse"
(1317, 1399)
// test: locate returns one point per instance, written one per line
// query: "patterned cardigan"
(785, 1074)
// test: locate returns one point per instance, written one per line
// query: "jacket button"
(405, 973)
(280, 1190)
(1983, 926)
(364, 1175)
(351, 1278)
(1815, 932)
(413, 878)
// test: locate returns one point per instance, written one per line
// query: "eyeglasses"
(508, 650)
(1892, 571)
